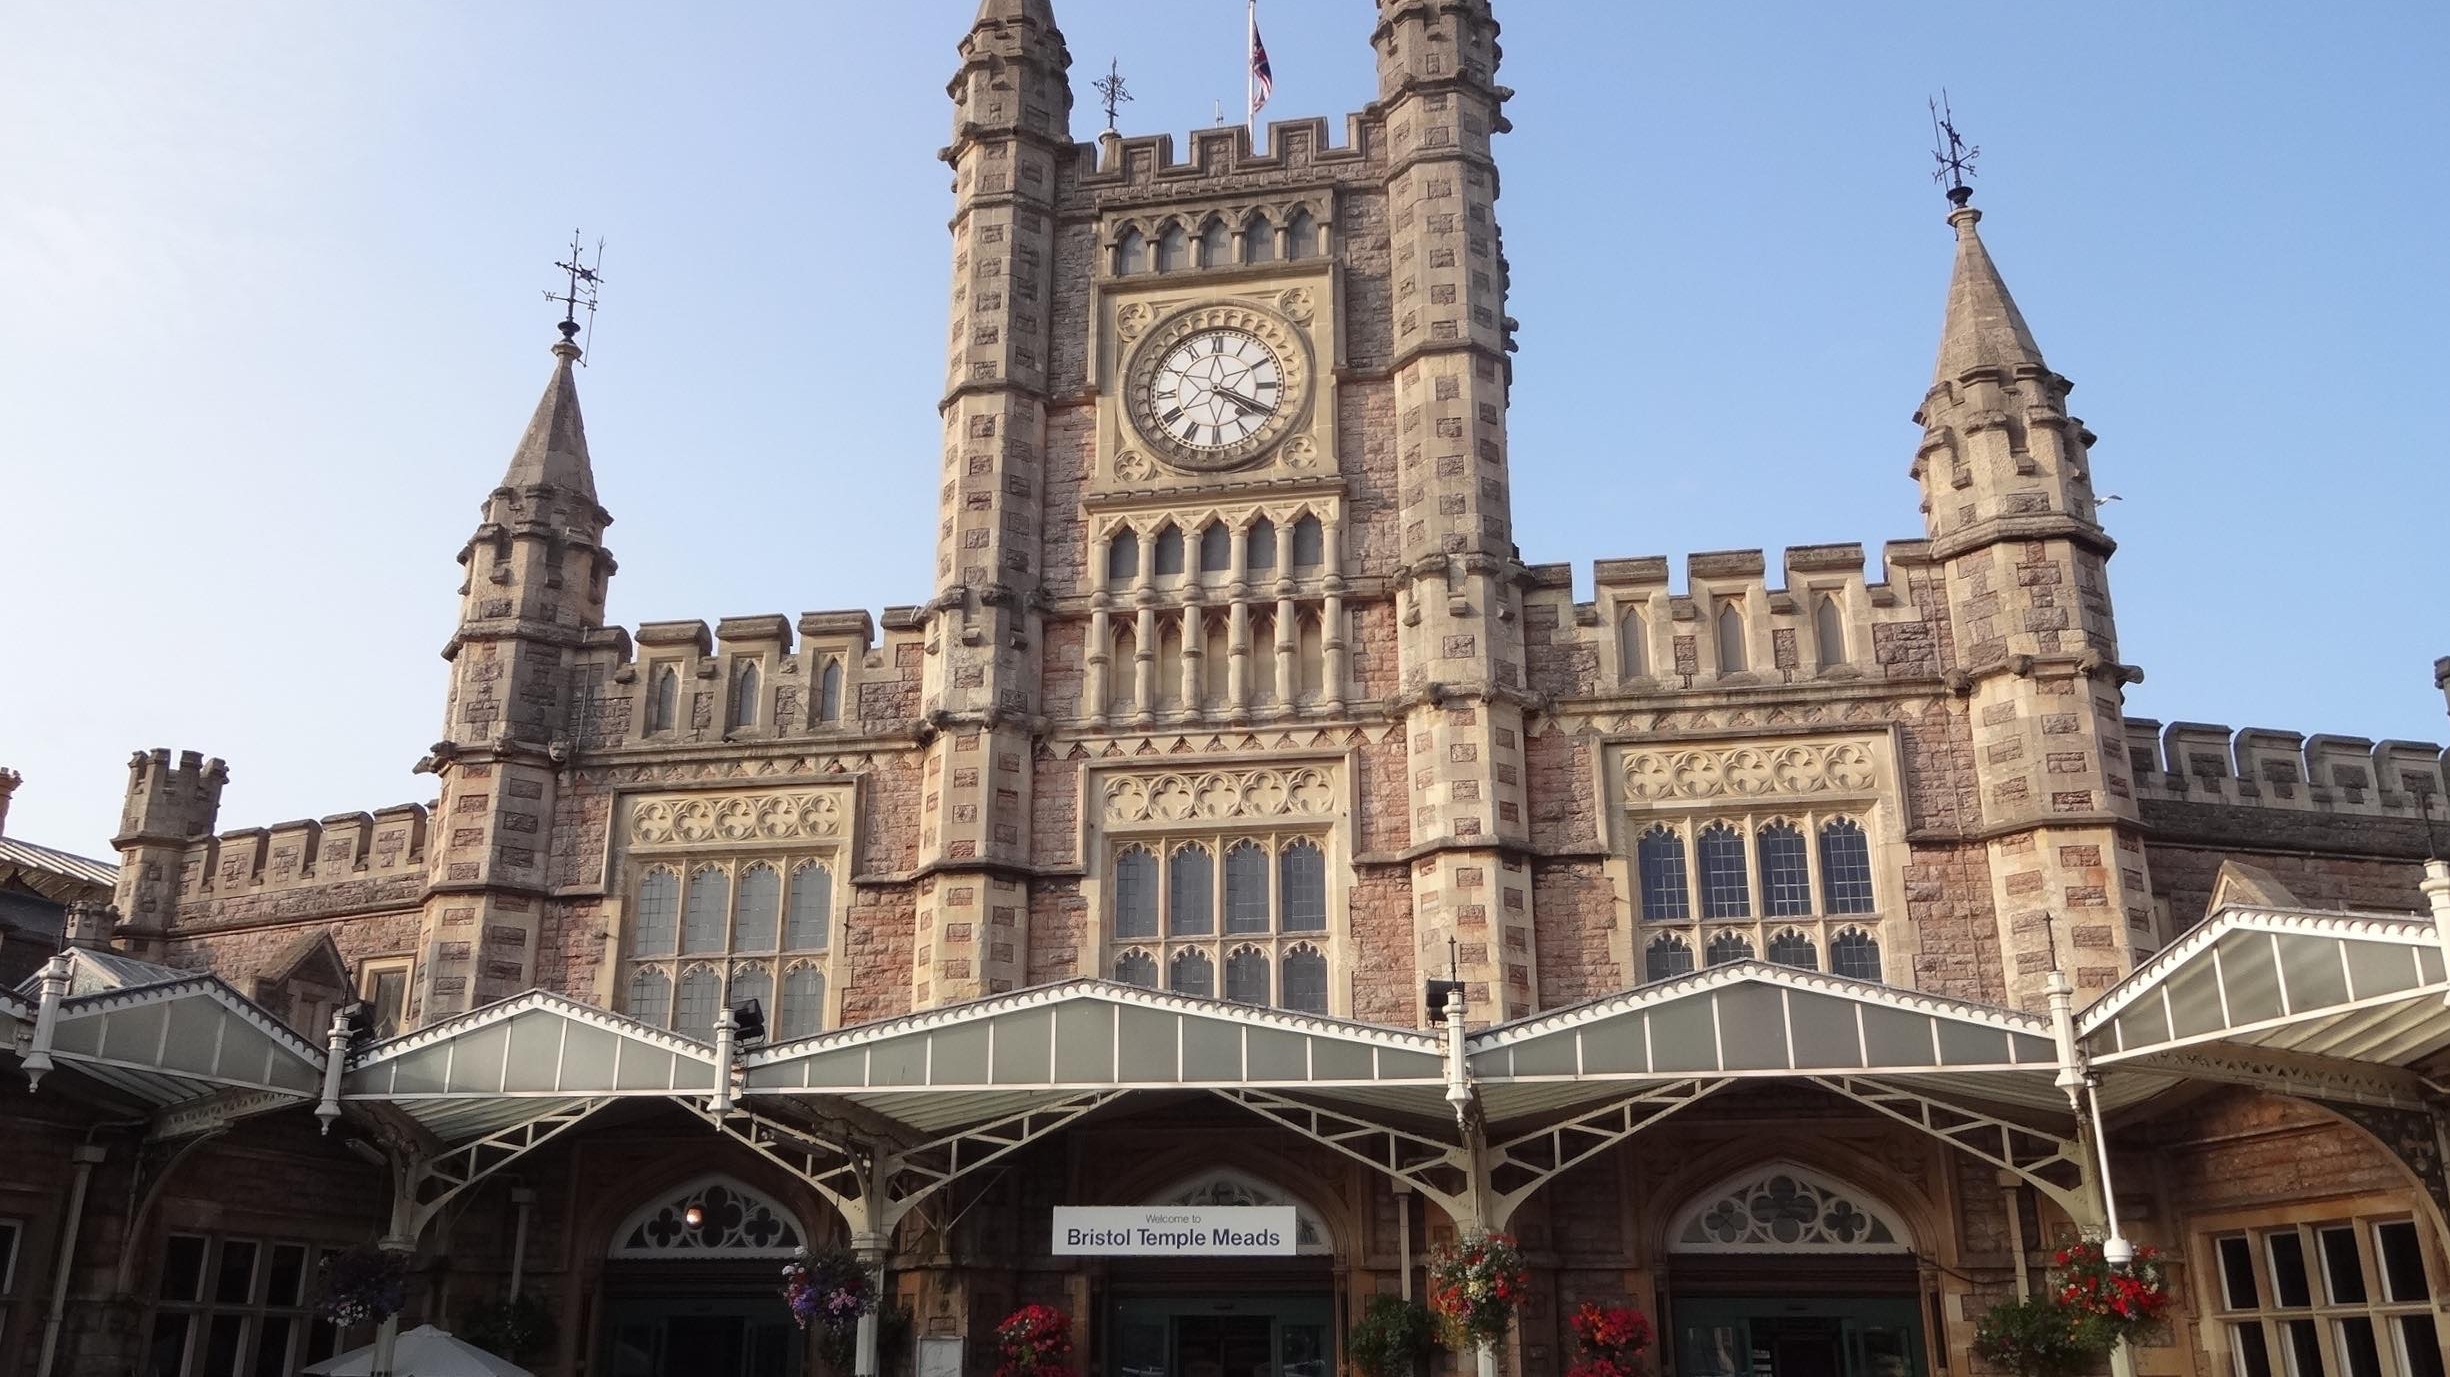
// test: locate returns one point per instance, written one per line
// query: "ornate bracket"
(2054, 1165)
(1439, 1170)
(1521, 1165)
(425, 1184)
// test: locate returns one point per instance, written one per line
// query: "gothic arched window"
(664, 704)
(1302, 886)
(1130, 253)
(1632, 645)
(1262, 552)
(701, 994)
(1136, 968)
(1123, 668)
(1192, 973)
(806, 922)
(659, 905)
(651, 997)
(829, 693)
(751, 982)
(1168, 561)
(1845, 867)
(1169, 665)
(1786, 875)
(1123, 556)
(1829, 629)
(802, 1012)
(1216, 245)
(1135, 893)
(1301, 235)
(1259, 241)
(761, 903)
(705, 913)
(1246, 887)
(1729, 946)
(1246, 976)
(1190, 891)
(1261, 672)
(1792, 948)
(1666, 958)
(1660, 858)
(1309, 658)
(1305, 980)
(1730, 638)
(744, 696)
(1855, 954)
(1309, 543)
(1173, 248)
(1724, 893)
(1216, 548)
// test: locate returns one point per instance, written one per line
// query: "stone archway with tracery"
(1782, 1207)
(734, 1220)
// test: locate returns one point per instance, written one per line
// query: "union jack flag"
(1263, 81)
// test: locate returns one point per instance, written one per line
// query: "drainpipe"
(1403, 1232)
(87, 1155)
(523, 1198)
(56, 974)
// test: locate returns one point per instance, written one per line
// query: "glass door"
(1797, 1337)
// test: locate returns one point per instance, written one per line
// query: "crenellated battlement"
(2258, 767)
(672, 682)
(167, 802)
(1730, 626)
(343, 863)
(1297, 150)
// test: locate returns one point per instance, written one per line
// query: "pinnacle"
(1983, 328)
(996, 11)
(553, 452)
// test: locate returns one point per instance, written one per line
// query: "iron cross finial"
(1112, 88)
(1954, 156)
(579, 291)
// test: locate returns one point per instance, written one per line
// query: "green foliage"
(1390, 1339)
(2037, 1337)
(517, 1329)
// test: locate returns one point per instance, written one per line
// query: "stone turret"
(1459, 578)
(2008, 502)
(168, 806)
(9, 780)
(537, 576)
(1012, 106)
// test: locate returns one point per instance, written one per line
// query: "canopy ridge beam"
(831, 1169)
(434, 1181)
(1420, 1162)
(2036, 1156)
(2303, 1074)
(1544, 1154)
(938, 1164)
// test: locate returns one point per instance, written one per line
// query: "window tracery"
(733, 1221)
(1783, 1208)
(726, 934)
(1262, 928)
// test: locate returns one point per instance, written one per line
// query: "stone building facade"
(1234, 688)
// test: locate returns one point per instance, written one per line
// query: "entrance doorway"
(1221, 1336)
(713, 1337)
(1797, 1336)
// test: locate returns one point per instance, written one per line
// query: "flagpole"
(1250, 76)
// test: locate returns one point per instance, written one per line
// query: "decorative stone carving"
(1797, 770)
(1134, 467)
(1784, 1209)
(1299, 791)
(717, 819)
(1131, 320)
(1295, 302)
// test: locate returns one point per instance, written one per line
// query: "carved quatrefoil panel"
(1795, 770)
(716, 819)
(1220, 795)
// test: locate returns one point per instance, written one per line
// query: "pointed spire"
(1983, 328)
(553, 452)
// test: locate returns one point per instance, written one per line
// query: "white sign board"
(940, 1355)
(1174, 1231)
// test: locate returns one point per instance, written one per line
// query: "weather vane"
(1112, 88)
(1954, 156)
(579, 293)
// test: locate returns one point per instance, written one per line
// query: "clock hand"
(1246, 403)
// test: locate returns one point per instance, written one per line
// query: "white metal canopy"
(182, 1040)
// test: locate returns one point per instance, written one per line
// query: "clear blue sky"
(270, 322)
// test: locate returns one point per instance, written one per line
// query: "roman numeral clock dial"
(1211, 396)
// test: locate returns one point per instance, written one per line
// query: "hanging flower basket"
(1610, 1339)
(366, 1284)
(1474, 1285)
(2113, 1303)
(1033, 1341)
(828, 1292)
(2034, 1337)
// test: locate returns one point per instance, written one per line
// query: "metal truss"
(2055, 1166)
(217, 1111)
(1521, 1165)
(874, 1190)
(429, 1183)
(1440, 1171)
(2301, 1074)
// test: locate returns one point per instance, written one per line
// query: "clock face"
(1215, 388)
